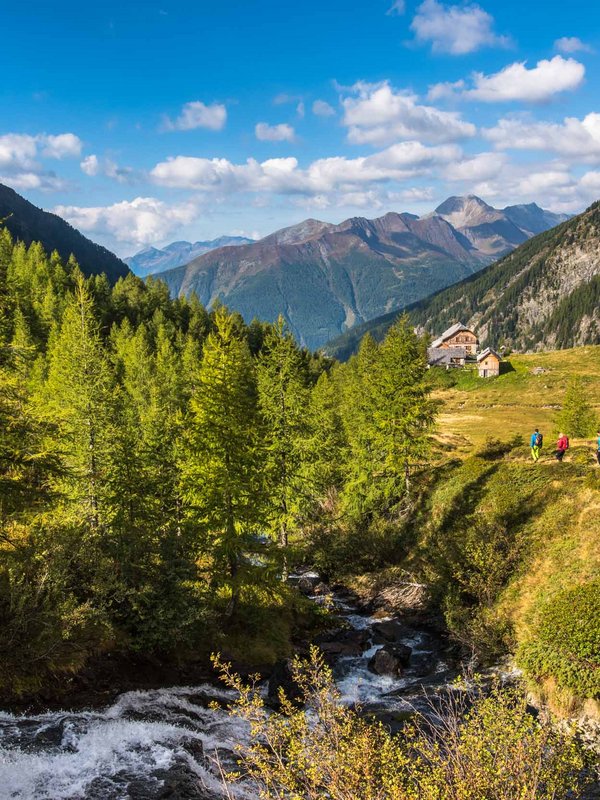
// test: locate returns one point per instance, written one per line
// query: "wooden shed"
(488, 363)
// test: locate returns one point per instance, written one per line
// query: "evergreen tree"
(77, 395)
(221, 464)
(283, 399)
(576, 418)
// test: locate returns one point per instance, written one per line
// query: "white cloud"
(90, 165)
(447, 89)
(378, 115)
(65, 145)
(455, 29)
(138, 222)
(284, 176)
(274, 133)
(480, 167)
(19, 154)
(198, 115)
(576, 139)
(18, 151)
(572, 44)
(42, 181)
(516, 82)
(93, 166)
(322, 109)
(300, 109)
(397, 9)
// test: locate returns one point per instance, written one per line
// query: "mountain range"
(31, 224)
(326, 278)
(154, 259)
(543, 295)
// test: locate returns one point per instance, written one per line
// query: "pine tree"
(283, 399)
(576, 418)
(221, 465)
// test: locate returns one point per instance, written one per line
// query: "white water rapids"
(162, 743)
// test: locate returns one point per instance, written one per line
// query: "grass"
(517, 401)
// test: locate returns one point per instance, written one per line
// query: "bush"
(565, 644)
(485, 747)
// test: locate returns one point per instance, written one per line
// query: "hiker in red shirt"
(561, 446)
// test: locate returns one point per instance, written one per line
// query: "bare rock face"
(390, 660)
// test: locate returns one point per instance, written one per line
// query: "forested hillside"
(30, 224)
(542, 296)
(156, 459)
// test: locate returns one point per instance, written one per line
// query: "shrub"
(484, 747)
(565, 643)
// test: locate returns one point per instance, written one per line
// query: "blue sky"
(142, 123)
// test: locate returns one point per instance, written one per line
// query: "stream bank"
(154, 744)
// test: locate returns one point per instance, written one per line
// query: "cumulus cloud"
(20, 166)
(516, 82)
(572, 44)
(576, 139)
(198, 115)
(139, 222)
(378, 115)
(90, 165)
(444, 90)
(480, 167)
(274, 133)
(65, 145)
(323, 109)
(284, 175)
(455, 29)
(93, 166)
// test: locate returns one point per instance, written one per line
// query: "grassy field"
(517, 401)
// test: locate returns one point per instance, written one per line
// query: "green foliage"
(565, 642)
(486, 746)
(576, 417)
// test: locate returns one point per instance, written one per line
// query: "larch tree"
(283, 399)
(403, 413)
(77, 395)
(221, 462)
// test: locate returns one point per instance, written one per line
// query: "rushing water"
(167, 743)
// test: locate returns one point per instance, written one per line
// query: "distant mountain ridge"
(154, 259)
(326, 278)
(28, 223)
(543, 295)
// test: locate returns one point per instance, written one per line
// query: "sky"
(145, 123)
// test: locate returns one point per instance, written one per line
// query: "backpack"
(566, 442)
(539, 439)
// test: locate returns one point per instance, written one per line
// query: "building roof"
(452, 331)
(444, 355)
(488, 352)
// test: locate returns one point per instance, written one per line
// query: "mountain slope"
(328, 278)
(31, 224)
(493, 231)
(325, 278)
(545, 294)
(154, 259)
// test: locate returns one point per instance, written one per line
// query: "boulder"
(390, 659)
(321, 589)
(390, 630)
(307, 583)
(282, 678)
(422, 664)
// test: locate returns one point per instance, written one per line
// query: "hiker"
(537, 440)
(561, 446)
(598, 447)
